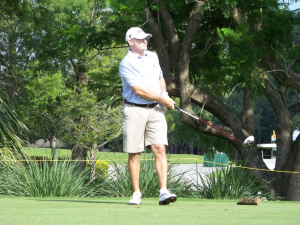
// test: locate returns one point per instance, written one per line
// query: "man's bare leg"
(161, 164)
(134, 170)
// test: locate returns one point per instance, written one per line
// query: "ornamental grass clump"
(40, 177)
(44, 179)
(233, 182)
(119, 183)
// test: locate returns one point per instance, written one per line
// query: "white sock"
(137, 193)
(163, 190)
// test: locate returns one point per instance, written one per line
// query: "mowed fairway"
(117, 157)
(21, 210)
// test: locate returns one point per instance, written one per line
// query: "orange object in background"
(274, 136)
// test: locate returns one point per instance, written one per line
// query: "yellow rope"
(197, 160)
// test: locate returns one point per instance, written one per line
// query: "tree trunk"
(248, 113)
(293, 190)
(53, 146)
(92, 161)
(79, 153)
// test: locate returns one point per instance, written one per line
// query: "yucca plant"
(229, 183)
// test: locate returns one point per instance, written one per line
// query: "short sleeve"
(129, 74)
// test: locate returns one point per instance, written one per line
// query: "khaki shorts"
(143, 127)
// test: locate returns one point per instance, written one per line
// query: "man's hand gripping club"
(150, 95)
(167, 101)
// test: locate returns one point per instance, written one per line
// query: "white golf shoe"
(136, 199)
(167, 197)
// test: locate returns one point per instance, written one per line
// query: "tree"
(206, 48)
(45, 93)
(16, 42)
(48, 62)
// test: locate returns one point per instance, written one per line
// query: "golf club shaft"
(207, 123)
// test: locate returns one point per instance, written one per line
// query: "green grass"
(114, 156)
(46, 152)
(21, 210)
(186, 159)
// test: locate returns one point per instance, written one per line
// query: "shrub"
(101, 167)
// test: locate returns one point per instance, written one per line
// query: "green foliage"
(232, 182)
(44, 179)
(117, 18)
(224, 5)
(10, 128)
(239, 60)
(105, 79)
(101, 167)
(63, 178)
(119, 183)
(266, 31)
(45, 92)
(99, 121)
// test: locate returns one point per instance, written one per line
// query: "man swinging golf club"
(144, 123)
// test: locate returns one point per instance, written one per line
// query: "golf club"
(247, 142)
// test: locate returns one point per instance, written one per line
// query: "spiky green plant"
(10, 124)
(229, 183)
(119, 182)
(44, 179)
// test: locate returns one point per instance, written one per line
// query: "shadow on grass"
(81, 201)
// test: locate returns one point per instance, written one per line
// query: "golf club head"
(248, 141)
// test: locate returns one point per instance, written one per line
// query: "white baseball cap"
(136, 32)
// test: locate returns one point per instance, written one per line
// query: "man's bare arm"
(150, 95)
(163, 86)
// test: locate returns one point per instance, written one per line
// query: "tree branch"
(294, 109)
(213, 105)
(207, 48)
(161, 48)
(172, 34)
(284, 126)
(194, 23)
(281, 74)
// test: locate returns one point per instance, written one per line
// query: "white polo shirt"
(136, 70)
